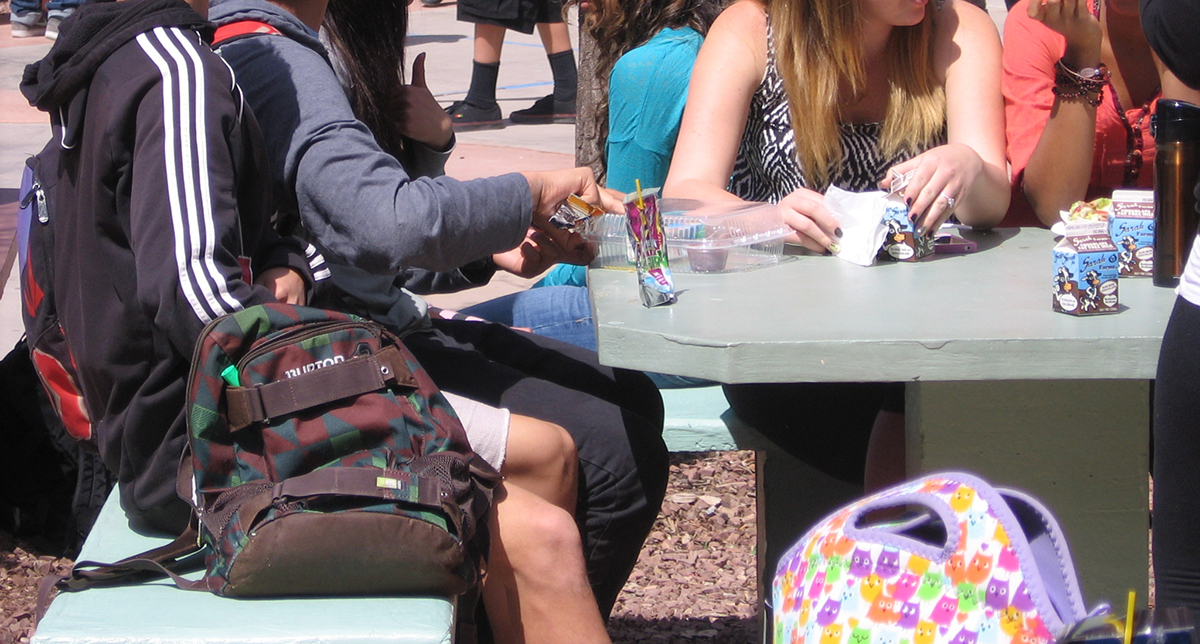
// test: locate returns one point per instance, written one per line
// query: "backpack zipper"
(295, 335)
(36, 192)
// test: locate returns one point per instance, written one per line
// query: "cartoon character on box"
(1125, 257)
(1091, 295)
(1062, 281)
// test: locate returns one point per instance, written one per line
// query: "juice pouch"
(649, 248)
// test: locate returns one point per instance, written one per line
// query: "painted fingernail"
(834, 248)
(908, 202)
(838, 232)
(920, 231)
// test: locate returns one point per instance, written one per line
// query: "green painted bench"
(160, 613)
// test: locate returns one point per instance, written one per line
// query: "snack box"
(1131, 226)
(720, 237)
(1085, 269)
(901, 243)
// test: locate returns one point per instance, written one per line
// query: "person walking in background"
(28, 20)
(479, 110)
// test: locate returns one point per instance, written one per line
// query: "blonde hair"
(817, 47)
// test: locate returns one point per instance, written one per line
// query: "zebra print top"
(767, 169)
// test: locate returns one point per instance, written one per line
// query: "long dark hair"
(621, 25)
(367, 38)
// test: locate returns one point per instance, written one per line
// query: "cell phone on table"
(949, 244)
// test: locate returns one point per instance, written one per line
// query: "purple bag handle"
(893, 534)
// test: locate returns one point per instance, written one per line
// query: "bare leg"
(555, 37)
(536, 588)
(885, 452)
(489, 40)
(541, 459)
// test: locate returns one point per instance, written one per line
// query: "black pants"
(824, 424)
(1176, 464)
(614, 415)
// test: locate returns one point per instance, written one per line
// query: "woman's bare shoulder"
(745, 18)
(959, 19)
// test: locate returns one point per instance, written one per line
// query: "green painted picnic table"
(998, 383)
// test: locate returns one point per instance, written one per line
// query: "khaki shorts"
(487, 427)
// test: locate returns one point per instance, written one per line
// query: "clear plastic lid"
(691, 223)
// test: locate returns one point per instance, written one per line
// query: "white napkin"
(860, 216)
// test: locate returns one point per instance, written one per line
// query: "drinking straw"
(1129, 616)
(641, 204)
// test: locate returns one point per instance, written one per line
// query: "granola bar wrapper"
(574, 212)
(649, 248)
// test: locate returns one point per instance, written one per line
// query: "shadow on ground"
(717, 630)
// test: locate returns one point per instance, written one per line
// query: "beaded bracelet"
(1070, 84)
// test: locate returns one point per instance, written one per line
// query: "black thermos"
(1176, 129)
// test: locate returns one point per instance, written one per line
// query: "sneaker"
(545, 110)
(465, 116)
(52, 26)
(27, 26)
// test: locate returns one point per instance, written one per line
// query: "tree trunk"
(589, 143)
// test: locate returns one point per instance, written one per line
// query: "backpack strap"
(354, 377)
(242, 28)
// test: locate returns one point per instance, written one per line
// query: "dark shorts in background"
(518, 15)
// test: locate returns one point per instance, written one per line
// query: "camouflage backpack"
(324, 461)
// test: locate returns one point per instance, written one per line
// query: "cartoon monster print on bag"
(848, 581)
(860, 563)
(980, 567)
(969, 596)
(832, 635)
(997, 593)
(931, 586)
(964, 636)
(924, 633)
(888, 565)
(944, 611)
(860, 635)
(905, 587)
(829, 612)
(910, 614)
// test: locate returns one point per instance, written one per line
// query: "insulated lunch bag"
(965, 564)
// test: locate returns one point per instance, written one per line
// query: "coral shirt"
(1030, 52)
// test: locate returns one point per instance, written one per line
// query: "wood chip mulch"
(694, 581)
(21, 568)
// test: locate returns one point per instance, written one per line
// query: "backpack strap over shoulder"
(242, 28)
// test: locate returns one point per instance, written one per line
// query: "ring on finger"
(950, 201)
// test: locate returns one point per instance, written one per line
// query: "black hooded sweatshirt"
(161, 206)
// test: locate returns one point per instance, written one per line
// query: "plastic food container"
(702, 237)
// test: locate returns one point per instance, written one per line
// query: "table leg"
(1081, 447)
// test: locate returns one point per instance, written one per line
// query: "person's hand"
(285, 284)
(941, 179)
(419, 117)
(538, 252)
(1074, 20)
(815, 227)
(550, 189)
